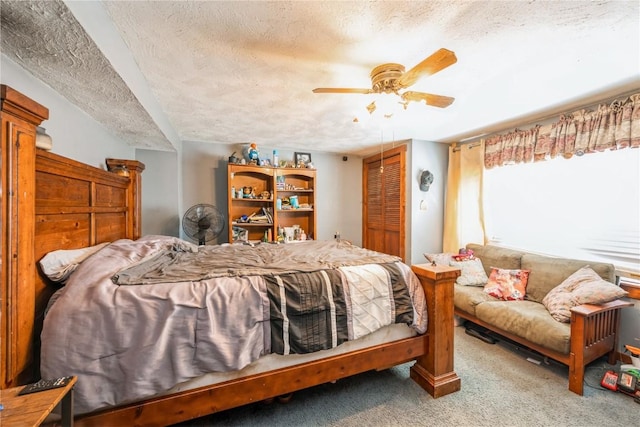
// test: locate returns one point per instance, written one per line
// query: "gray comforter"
(170, 323)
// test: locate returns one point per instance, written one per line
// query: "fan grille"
(203, 222)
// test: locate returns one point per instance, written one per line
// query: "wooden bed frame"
(77, 205)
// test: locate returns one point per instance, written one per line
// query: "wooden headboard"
(77, 205)
(48, 202)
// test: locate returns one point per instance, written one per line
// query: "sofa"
(586, 332)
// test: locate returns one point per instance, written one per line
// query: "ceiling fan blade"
(341, 90)
(430, 99)
(434, 63)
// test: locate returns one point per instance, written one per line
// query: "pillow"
(463, 255)
(472, 272)
(508, 285)
(58, 265)
(584, 286)
(440, 259)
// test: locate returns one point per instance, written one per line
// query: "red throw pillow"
(508, 285)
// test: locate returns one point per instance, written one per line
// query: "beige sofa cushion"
(529, 320)
(466, 298)
(548, 272)
(495, 256)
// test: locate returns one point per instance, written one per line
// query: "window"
(586, 207)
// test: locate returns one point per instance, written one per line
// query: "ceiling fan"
(392, 78)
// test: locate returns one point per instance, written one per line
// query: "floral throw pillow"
(471, 272)
(439, 259)
(584, 286)
(508, 285)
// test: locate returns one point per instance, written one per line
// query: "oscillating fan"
(203, 223)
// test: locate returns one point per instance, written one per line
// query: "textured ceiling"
(158, 73)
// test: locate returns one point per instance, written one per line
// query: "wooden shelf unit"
(297, 182)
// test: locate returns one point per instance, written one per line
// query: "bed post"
(133, 169)
(434, 371)
(19, 118)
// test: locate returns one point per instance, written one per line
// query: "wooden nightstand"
(32, 409)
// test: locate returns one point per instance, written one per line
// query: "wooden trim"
(134, 194)
(19, 116)
(381, 236)
(14, 102)
(400, 149)
(633, 289)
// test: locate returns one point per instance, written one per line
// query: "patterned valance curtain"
(610, 127)
(514, 147)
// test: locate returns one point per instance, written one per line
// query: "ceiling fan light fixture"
(390, 78)
(388, 104)
(371, 108)
(381, 110)
(384, 78)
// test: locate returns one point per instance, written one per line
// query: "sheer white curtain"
(463, 217)
(585, 207)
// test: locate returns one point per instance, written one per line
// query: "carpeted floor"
(499, 388)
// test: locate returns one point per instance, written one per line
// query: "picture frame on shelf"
(301, 159)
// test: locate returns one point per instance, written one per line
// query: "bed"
(79, 206)
(137, 318)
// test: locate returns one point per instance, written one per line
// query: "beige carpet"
(499, 388)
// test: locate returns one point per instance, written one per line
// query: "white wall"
(338, 186)
(74, 133)
(204, 178)
(339, 196)
(160, 192)
(425, 210)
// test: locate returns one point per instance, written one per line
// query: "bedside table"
(32, 409)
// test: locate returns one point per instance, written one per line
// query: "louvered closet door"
(384, 202)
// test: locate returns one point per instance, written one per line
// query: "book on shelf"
(263, 216)
(268, 213)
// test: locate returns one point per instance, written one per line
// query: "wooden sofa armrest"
(587, 310)
(593, 334)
